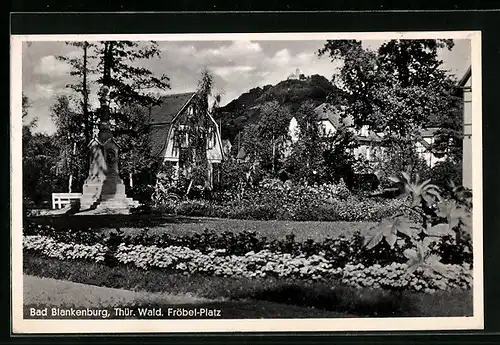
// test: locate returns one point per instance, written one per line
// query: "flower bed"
(276, 200)
(352, 209)
(263, 263)
(339, 251)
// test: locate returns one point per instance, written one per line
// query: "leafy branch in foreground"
(447, 217)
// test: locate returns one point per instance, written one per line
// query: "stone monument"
(104, 190)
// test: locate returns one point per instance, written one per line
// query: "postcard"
(260, 182)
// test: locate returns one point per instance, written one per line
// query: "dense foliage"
(40, 173)
(445, 228)
(398, 254)
(272, 199)
(252, 257)
(398, 90)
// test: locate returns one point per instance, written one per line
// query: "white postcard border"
(24, 326)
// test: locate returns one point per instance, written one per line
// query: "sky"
(237, 66)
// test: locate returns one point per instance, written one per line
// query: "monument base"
(108, 195)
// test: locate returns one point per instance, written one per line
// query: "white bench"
(60, 200)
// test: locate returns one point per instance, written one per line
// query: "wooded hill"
(244, 110)
(316, 89)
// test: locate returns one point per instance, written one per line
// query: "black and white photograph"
(247, 182)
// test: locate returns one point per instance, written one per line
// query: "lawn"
(327, 296)
(303, 299)
(40, 293)
(189, 225)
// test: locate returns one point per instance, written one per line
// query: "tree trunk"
(274, 154)
(189, 187)
(85, 94)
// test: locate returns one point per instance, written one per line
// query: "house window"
(180, 138)
(210, 138)
(176, 139)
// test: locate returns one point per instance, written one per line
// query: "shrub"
(452, 252)
(262, 263)
(276, 200)
(194, 208)
(142, 193)
(431, 239)
(338, 250)
(444, 172)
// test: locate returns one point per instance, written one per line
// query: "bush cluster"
(339, 251)
(276, 200)
(263, 263)
(394, 276)
(51, 247)
(353, 209)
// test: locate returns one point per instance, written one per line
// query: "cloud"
(50, 65)
(237, 49)
(237, 66)
(43, 91)
(232, 71)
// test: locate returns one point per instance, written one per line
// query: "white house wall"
(327, 128)
(294, 130)
(467, 140)
(214, 154)
(171, 155)
(430, 159)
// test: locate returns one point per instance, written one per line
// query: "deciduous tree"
(398, 89)
(82, 68)
(72, 159)
(306, 158)
(266, 140)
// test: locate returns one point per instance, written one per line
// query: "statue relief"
(111, 160)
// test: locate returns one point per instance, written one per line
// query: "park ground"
(49, 281)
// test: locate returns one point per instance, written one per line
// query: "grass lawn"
(38, 291)
(242, 293)
(189, 225)
(45, 292)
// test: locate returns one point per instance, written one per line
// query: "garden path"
(54, 292)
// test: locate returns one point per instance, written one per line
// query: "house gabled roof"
(158, 139)
(164, 115)
(169, 107)
(429, 132)
(161, 118)
(371, 138)
(328, 112)
(465, 78)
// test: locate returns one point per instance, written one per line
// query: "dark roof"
(371, 138)
(169, 106)
(158, 139)
(328, 112)
(465, 78)
(429, 132)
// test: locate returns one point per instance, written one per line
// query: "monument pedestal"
(104, 191)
